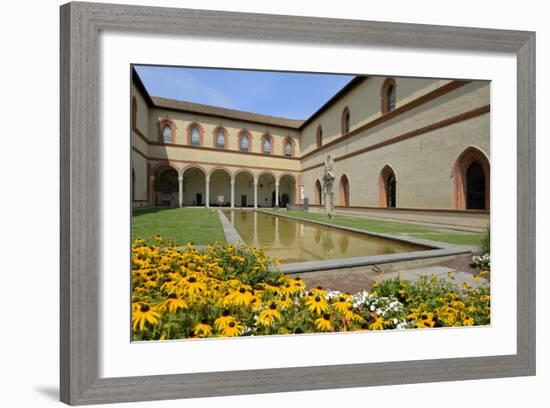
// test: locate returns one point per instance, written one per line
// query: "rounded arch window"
(288, 148)
(220, 139)
(390, 98)
(388, 95)
(266, 145)
(345, 121)
(166, 133)
(319, 136)
(244, 143)
(195, 136)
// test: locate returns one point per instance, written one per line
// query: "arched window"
(319, 136)
(220, 139)
(344, 191)
(345, 121)
(194, 135)
(471, 180)
(388, 95)
(288, 148)
(244, 142)
(166, 133)
(266, 145)
(387, 188)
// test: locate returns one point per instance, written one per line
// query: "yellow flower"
(233, 329)
(284, 302)
(426, 320)
(378, 323)
(223, 321)
(468, 321)
(172, 304)
(316, 304)
(319, 291)
(268, 316)
(143, 313)
(341, 305)
(353, 317)
(202, 329)
(323, 323)
(191, 286)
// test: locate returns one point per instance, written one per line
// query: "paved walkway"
(356, 280)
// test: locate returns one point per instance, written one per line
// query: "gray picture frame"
(80, 237)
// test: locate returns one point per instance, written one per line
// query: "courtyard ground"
(178, 225)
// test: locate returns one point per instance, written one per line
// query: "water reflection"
(296, 241)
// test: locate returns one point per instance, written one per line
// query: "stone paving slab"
(231, 234)
(414, 275)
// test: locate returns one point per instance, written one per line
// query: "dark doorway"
(273, 199)
(390, 189)
(475, 187)
(284, 200)
(243, 200)
(198, 199)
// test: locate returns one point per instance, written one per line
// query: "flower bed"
(229, 290)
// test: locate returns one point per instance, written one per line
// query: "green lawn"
(395, 228)
(180, 225)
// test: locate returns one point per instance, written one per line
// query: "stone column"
(277, 194)
(180, 191)
(255, 193)
(232, 193)
(207, 191)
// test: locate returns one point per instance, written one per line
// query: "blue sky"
(284, 94)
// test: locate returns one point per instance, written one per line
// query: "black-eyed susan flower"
(341, 305)
(319, 291)
(378, 323)
(144, 313)
(425, 320)
(284, 302)
(172, 304)
(232, 329)
(191, 286)
(468, 321)
(223, 321)
(268, 316)
(316, 304)
(202, 329)
(323, 323)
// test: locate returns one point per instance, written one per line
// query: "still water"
(297, 241)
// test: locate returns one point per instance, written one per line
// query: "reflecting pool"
(299, 241)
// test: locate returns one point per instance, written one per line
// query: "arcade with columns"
(410, 149)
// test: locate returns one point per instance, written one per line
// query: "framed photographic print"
(261, 203)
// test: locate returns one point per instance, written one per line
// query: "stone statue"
(328, 187)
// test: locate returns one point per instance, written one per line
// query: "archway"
(166, 186)
(344, 191)
(471, 174)
(194, 187)
(266, 190)
(387, 185)
(220, 188)
(287, 190)
(318, 193)
(244, 189)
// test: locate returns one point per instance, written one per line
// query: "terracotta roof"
(225, 113)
